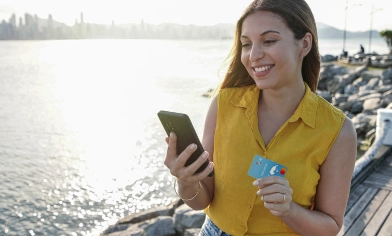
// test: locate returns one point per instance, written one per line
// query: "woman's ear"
(306, 44)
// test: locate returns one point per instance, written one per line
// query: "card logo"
(262, 167)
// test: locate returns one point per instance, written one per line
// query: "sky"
(197, 12)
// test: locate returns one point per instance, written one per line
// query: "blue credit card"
(262, 167)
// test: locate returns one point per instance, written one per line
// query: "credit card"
(262, 167)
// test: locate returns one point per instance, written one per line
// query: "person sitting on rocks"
(267, 106)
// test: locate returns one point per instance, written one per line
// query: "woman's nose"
(256, 53)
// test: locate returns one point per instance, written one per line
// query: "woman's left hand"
(276, 194)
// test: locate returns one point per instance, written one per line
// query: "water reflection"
(80, 143)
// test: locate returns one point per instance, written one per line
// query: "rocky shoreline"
(357, 91)
(174, 220)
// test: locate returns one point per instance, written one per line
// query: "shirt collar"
(306, 110)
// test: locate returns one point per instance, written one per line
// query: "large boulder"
(187, 218)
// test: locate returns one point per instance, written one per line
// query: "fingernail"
(193, 147)
(204, 156)
(262, 198)
(255, 183)
(171, 134)
(211, 165)
(258, 192)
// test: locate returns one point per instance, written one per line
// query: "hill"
(37, 28)
(329, 32)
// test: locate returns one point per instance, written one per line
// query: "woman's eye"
(244, 45)
(269, 42)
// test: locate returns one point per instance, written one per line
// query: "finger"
(275, 198)
(277, 209)
(271, 189)
(171, 153)
(209, 169)
(172, 145)
(200, 176)
(167, 140)
(184, 156)
(262, 182)
(200, 161)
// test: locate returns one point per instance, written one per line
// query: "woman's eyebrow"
(262, 34)
(269, 31)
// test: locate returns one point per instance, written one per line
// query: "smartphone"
(181, 125)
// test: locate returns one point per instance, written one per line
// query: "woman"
(267, 106)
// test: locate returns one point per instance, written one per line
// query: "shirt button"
(248, 206)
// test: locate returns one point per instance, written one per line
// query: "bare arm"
(188, 183)
(332, 192)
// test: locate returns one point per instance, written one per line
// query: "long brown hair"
(297, 15)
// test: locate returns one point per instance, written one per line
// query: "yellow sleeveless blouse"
(302, 144)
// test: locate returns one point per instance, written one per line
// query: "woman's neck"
(281, 102)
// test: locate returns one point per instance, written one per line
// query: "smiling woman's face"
(270, 53)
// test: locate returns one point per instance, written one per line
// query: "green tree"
(387, 34)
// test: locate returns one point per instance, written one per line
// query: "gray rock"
(386, 100)
(373, 82)
(114, 228)
(384, 88)
(187, 218)
(339, 98)
(386, 93)
(369, 74)
(193, 219)
(350, 89)
(359, 82)
(364, 88)
(369, 94)
(150, 214)
(192, 232)
(384, 82)
(357, 107)
(340, 81)
(353, 97)
(328, 58)
(160, 226)
(146, 215)
(349, 114)
(132, 230)
(178, 215)
(372, 104)
(387, 74)
(324, 94)
(360, 122)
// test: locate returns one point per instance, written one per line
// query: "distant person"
(266, 105)
(345, 54)
(362, 49)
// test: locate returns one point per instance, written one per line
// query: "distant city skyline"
(201, 12)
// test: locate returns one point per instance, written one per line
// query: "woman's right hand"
(185, 175)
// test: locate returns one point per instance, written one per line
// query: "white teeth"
(261, 69)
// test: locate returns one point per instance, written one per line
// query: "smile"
(261, 69)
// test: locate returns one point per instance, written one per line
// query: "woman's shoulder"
(326, 106)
